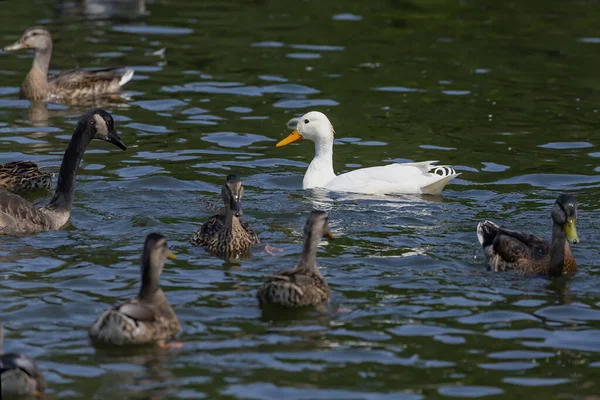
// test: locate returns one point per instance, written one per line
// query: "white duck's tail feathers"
(487, 232)
(443, 170)
(126, 77)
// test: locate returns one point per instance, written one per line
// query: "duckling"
(18, 215)
(24, 177)
(20, 375)
(225, 234)
(508, 250)
(38, 85)
(147, 318)
(302, 285)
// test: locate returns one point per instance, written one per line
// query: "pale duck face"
(315, 126)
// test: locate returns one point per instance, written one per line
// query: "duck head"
(232, 193)
(37, 38)
(313, 126)
(564, 213)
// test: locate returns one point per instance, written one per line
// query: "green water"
(507, 92)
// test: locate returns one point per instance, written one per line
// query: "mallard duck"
(508, 250)
(20, 375)
(420, 177)
(302, 285)
(18, 215)
(225, 234)
(38, 85)
(23, 177)
(147, 318)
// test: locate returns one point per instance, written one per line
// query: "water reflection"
(104, 9)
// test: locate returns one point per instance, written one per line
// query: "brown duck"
(508, 250)
(147, 318)
(224, 234)
(302, 285)
(23, 177)
(38, 85)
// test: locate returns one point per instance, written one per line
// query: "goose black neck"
(65, 188)
(309, 251)
(557, 250)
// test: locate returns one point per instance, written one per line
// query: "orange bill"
(292, 137)
(328, 235)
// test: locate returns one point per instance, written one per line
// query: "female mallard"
(20, 375)
(18, 215)
(71, 84)
(225, 234)
(147, 318)
(23, 177)
(529, 254)
(302, 285)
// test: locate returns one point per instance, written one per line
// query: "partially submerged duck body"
(401, 178)
(23, 177)
(39, 85)
(508, 250)
(18, 215)
(302, 285)
(225, 234)
(20, 375)
(147, 318)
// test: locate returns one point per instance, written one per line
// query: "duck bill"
(16, 46)
(292, 137)
(571, 230)
(328, 235)
(236, 207)
(171, 256)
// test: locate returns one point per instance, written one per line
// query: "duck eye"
(306, 121)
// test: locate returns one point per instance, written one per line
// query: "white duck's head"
(313, 126)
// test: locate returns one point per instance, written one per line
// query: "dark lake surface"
(507, 92)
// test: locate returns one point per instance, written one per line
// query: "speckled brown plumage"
(508, 250)
(302, 285)
(39, 85)
(147, 318)
(24, 176)
(224, 234)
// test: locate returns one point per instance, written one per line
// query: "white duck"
(420, 177)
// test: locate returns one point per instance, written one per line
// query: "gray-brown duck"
(38, 85)
(147, 318)
(302, 285)
(225, 234)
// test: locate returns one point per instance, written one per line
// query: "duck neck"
(557, 250)
(320, 171)
(65, 188)
(150, 280)
(228, 215)
(309, 252)
(41, 60)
